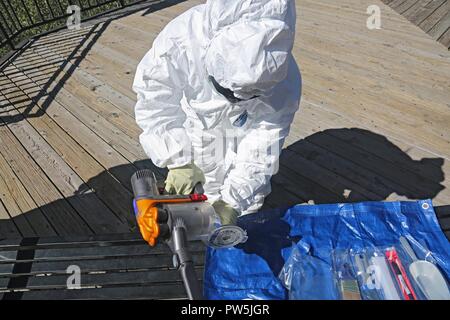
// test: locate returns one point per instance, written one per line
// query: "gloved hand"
(182, 180)
(225, 212)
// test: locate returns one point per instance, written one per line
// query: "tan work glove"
(182, 180)
(225, 212)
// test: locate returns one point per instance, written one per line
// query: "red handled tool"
(400, 275)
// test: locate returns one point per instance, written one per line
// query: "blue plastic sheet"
(250, 271)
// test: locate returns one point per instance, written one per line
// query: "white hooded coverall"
(246, 46)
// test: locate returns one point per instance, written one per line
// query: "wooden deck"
(373, 125)
(432, 16)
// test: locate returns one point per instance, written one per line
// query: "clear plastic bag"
(389, 273)
(425, 276)
(308, 277)
(365, 274)
(345, 275)
(374, 273)
(379, 274)
(382, 275)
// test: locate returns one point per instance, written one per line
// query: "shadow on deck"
(69, 141)
(336, 165)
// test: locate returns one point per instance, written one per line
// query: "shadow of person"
(350, 165)
(336, 165)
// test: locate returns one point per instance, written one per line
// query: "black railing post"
(38, 8)
(27, 12)
(7, 37)
(7, 17)
(52, 14)
(60, 7)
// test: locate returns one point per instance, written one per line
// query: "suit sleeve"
(159, 82)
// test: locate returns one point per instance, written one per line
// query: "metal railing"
(20, 20)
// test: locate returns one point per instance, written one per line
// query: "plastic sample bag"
(308, 277)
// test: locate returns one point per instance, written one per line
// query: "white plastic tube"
(384, 279)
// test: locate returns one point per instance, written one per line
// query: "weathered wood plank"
(393, 32)
(438, 30)
(361, 36)
(128, 147)
(91, 209)
(359, 42)
(94, 211)
(445, 223)
(396, 4)
(445, 38)
(106, 187)
(61, 215)
(395, 116)
(382, 148)
(413, 11)
(16, 201)
(406, 5)
(80, 160)
(122, 120)
(30, 173)
(104, 91)
(438, 15)
(13, 192)
(428, 9)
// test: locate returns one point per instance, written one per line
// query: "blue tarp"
(251, 270)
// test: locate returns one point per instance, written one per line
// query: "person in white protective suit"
(216, 95)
